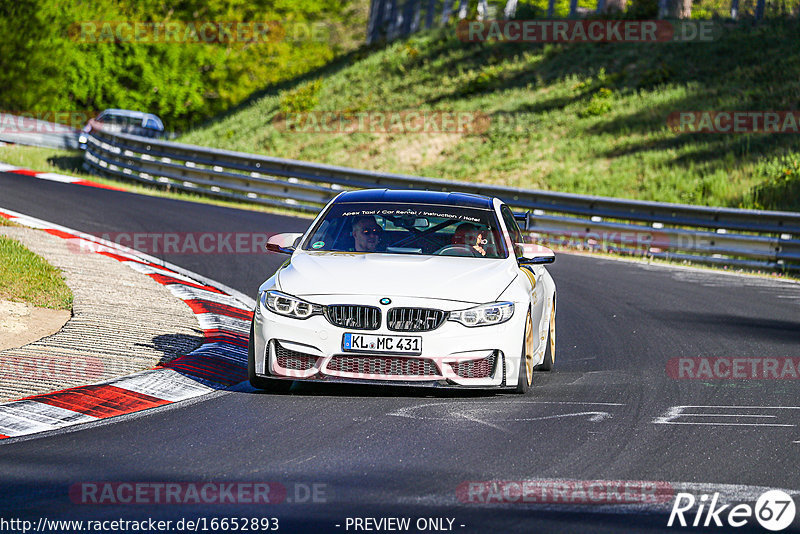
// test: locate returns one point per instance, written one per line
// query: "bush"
(658, 75)
(44, 67)
(642, 9)
(304, 97)
(599, 104)
(485, 79)
(780, 189)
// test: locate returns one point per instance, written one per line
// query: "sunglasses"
(367, 231)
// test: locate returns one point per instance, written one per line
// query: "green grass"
(26, 277)
(580, 118)
(43, 159)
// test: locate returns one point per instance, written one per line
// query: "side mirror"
(534, 254)
(283, 243)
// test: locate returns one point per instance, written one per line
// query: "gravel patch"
(22, 323)
(122, 322)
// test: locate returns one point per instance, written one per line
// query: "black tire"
(550, 351)
(268, 384)
(525, 375)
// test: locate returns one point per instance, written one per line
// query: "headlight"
(287, 305)
(483, 315)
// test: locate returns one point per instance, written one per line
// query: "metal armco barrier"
(28, 130)
(751, 238)
(55, 139)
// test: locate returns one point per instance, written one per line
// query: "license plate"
(373, 343)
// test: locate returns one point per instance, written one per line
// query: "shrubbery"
(780, 189)
(304, 97)
(43, 67)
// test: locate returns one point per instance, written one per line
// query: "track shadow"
(339, 389)
(173, 345)
(68, 163)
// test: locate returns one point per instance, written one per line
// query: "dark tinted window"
(513, 227)
(406, 228)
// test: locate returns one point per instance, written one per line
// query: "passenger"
(468, 234)
(366, 233)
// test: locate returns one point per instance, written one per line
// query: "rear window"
(152, 124)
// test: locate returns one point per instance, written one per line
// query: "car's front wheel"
(525, 376)
(269, 384)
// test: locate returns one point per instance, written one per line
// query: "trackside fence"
(747, 238)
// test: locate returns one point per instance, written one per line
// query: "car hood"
(471, 280)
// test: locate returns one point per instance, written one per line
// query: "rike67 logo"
(774, 510)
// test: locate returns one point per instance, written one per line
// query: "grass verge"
(580, 118)
(27, 277)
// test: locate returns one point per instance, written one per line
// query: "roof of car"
(131, 113)
(127, 112)
(467, 200)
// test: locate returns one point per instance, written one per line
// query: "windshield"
(408, 229)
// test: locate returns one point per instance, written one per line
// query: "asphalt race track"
(608, 412)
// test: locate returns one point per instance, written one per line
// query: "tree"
(675, 9)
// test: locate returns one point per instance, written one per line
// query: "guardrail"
(36, 132)
(762, 239)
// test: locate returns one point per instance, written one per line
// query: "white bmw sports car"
(406, 287)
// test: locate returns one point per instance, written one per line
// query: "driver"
(366, 233)
(468, 234)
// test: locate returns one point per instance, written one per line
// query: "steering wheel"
(457, 250)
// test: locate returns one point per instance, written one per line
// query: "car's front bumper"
(453, 354)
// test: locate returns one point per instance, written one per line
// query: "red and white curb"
(54, 177)
(223, 313)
